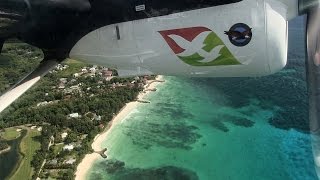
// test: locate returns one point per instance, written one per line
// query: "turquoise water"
(189, 126)
(194, 130)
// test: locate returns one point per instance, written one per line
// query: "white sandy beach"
(89, 159)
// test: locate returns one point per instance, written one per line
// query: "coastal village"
(62, 145)
(65, 147)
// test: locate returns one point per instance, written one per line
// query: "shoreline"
(87, 162)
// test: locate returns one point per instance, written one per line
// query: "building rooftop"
(74, 115)
(70, 161)
(68, 147)
(64, 135)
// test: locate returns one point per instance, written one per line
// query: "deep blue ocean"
(218, 128)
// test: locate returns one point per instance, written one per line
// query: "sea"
(217, 128)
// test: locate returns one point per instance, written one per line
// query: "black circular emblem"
(239, 34)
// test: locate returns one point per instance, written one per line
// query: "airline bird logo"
(198, 46)
(239, 34)
(236, 35)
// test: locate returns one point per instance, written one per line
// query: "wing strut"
(27, 82)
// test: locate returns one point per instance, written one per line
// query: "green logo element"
(213, 53)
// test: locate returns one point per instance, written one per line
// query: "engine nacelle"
(248, 38)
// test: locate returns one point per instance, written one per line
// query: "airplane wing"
(26, 83)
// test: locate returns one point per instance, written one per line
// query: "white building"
(61, 67)
(74, 115)
(92, 70)
(97, 118)
(53, 162)
(64, 135)
(68, 147)
(70, 161)
(63, 80)
(42, 103)
(84, 70)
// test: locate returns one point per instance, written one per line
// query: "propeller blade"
(313, 80)
(26, 83)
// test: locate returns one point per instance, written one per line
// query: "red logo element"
(187, 33)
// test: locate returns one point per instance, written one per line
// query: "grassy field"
(57, 148)
(28, 147)
(76, 65)
(10, 134)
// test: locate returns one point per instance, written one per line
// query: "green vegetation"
(211, 42)
(74, 67)
(75, 98)
(10, 134)
(28, 148)
(16, 60)
(57, 149)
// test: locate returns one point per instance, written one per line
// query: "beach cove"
(90, 159)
